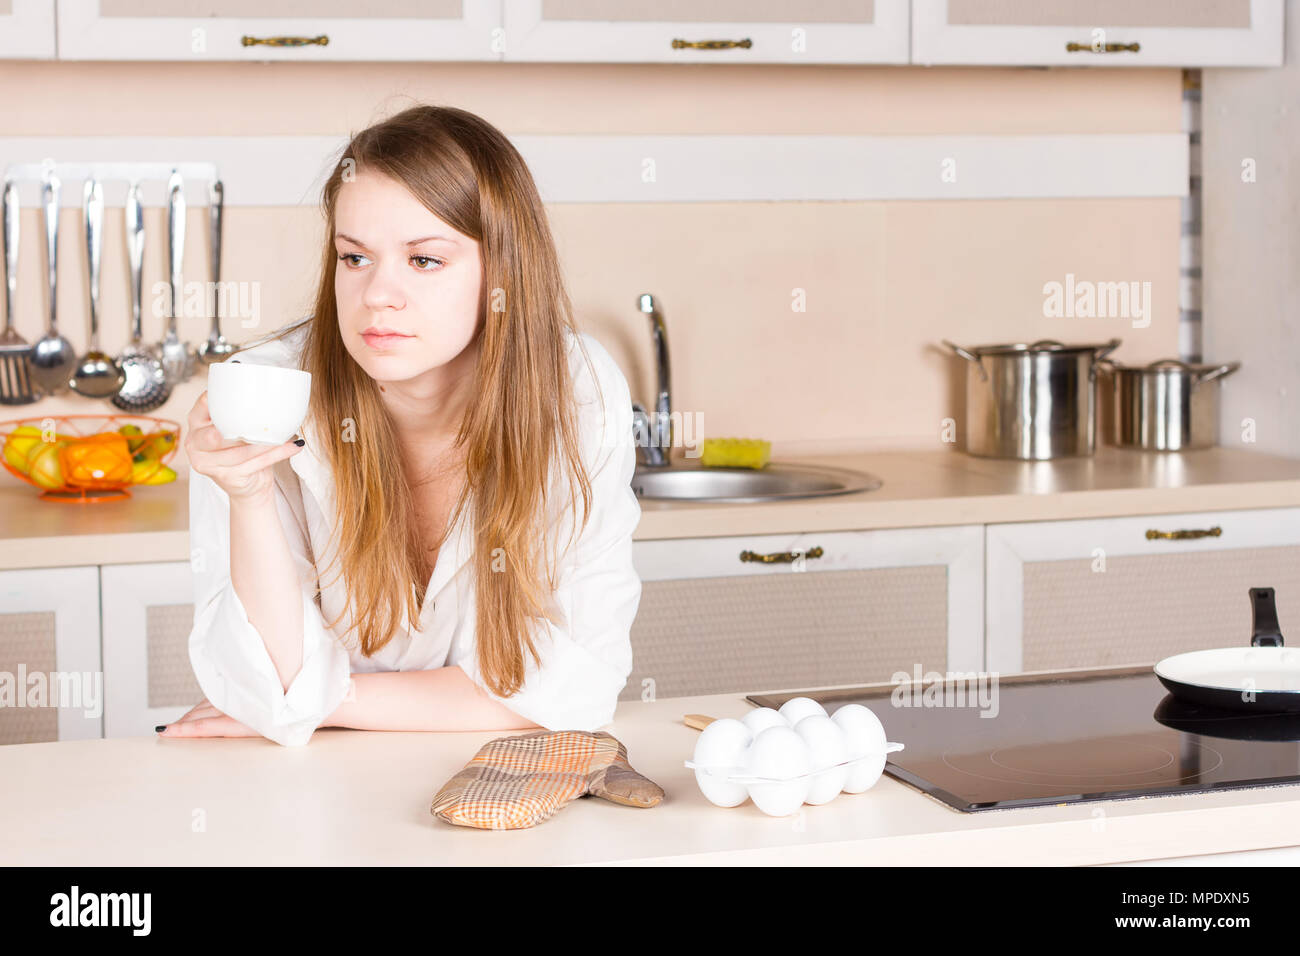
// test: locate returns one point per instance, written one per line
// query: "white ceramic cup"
(261, 404)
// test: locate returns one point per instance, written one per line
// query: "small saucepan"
(1165, 406)
(1263, 676)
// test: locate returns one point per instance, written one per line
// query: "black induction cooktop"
(1069, 737)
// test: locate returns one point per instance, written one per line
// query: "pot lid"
(1043, 345)
(1165, 365)
(1199, 372)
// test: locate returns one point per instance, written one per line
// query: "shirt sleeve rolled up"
(229, 657)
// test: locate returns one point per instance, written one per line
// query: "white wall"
(1251, 245)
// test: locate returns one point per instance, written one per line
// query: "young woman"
(465, 464)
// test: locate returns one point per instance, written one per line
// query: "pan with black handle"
(1262, 676)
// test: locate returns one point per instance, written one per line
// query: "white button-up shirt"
(585, 659)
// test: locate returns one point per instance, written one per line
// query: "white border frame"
(959, 547)
(127, 590)
(84, 35)
(73, 595)
(28, 32)
(1010, 546)
(936, 43)
(529, 38)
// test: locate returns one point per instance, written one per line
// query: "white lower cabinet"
(851, 607)
(51, 682)
(148, 616)
(1111, 591)
(88, 652)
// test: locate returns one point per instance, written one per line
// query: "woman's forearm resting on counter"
(440, 699)
(264, 577)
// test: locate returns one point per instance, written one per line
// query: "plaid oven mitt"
(515, 782)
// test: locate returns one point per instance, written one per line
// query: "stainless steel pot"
(1031, 402)
(1165, 406)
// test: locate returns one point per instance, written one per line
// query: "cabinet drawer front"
(857, 607)
(148, 617)
(171, 681)
(755, 633)
(1108, 592)
(1025, 32)
(1148, 534)
(27, 30)
(49, 655)
(196, 30)
(1149, 606)
(619, 31)
(839, 551)
(27, 646)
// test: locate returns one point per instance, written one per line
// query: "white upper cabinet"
(1095, 33)
(707, 31)
(1187, 33)
(26, 30)
(196, 30)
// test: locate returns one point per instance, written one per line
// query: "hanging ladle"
(146, 386)
(53, 359)
(176, 357)
(98, 375)
(216, 348)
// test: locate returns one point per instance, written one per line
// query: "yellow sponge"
(734, 452)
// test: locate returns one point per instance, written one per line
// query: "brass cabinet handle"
(780, 557)
(1104, 48)
(1214, 532)
(711, 44)
(321, 40)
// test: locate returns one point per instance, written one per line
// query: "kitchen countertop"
(920, 489)
(353, 797)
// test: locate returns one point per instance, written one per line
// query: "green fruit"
(19, 444)
(134, 437)
(43, 464)
(156, 446)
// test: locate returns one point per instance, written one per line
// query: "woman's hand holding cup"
(255, 410)
(242, 469)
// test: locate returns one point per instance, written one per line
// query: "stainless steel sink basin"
(774, 482)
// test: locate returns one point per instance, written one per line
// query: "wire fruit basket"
(86, 458)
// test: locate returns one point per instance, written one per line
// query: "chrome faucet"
(654, 432)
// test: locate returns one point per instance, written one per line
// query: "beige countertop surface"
(920, 489)
(353, 797)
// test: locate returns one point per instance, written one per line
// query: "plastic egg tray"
(784, 759)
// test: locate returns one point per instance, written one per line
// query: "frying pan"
(1263, 676)
(1226, 724)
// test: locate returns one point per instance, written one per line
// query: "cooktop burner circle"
(1083, 763)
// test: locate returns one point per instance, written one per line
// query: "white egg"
(761, 718)
(863, 732)
(781, 754)
(863, 773)
(826, 748)
(722, 744)
(797, 708)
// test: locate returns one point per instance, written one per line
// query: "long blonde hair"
(520, 424)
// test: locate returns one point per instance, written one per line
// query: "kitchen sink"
(690, 481)
(658, 477)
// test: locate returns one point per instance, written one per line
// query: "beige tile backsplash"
(883, 281)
